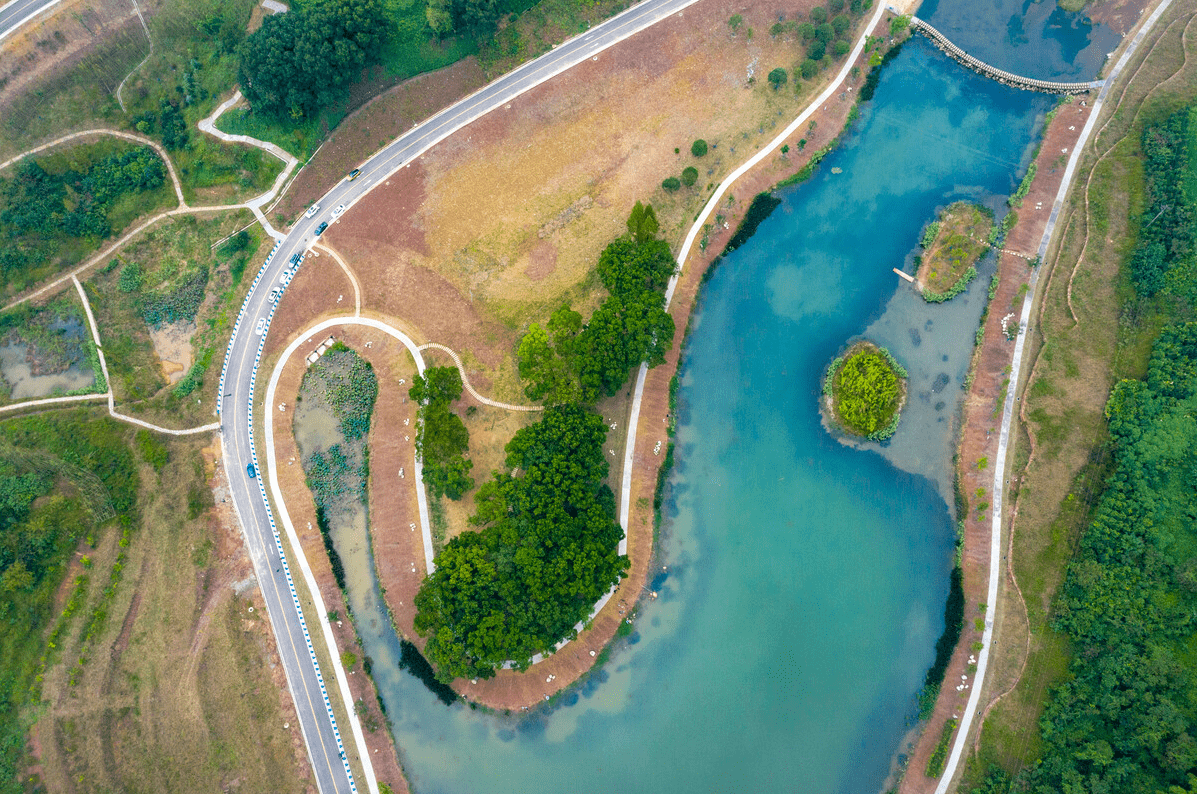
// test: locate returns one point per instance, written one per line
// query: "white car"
(282, 277)
(312, 210)
(337, 212)
(261, 327)
(275, 294)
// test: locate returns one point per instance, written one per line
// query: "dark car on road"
(295, 259)
(354, 174)
(251, 471)
(321, 228)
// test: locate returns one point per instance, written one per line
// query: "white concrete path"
(625, 491)
(999, 470)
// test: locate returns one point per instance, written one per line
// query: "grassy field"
(171, 682)
(1093, 332)
(171, 283)
(192, 66)
(67, 481)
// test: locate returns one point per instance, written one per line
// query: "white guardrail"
(278, 542)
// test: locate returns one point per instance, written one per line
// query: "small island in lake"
(864, 391)
(953, 243)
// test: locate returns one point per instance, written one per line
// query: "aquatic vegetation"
(865, 390)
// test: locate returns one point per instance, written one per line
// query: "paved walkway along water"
(999, 470)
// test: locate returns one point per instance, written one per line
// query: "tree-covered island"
(864, 391)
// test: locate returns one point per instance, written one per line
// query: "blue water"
(1033, 38)
(805, 579)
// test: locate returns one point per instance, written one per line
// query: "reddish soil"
(388, 451)
(385, 247)
(982, 421)
(383, 119)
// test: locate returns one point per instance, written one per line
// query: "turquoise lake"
(806, 580)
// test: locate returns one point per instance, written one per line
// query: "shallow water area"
(1031, 38)
(801, 582)
(18, 372)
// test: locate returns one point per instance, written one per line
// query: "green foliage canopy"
(569, 362)
(547, 550)
(300, 61)
(442, 439)
(866, 392)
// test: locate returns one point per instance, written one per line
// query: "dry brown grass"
(503, 222)
(182, 691)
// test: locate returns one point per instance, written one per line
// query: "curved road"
(235, 400)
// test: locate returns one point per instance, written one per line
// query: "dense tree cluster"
(1125, 720)
(1166, 226)
(442, 438)
(548, 547)
(825, 34)
(75, 203)
(462, 16)
(300, 61)
(570, 361)
(547, 550)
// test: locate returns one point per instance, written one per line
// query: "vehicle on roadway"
(337, 212)
(354, 174)
(321, 228)
(295, 258)
(275, 294)
(312, 210)
(282, 277)
(251, 471)
(261, 326)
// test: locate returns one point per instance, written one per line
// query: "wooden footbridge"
(1006, 78)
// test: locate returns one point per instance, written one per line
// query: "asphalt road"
(238, 379)
(16, 12)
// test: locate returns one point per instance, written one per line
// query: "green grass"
(168, 257)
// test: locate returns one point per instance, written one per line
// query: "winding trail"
(465, 381)
(133, 71)
(357, 288)
(208, 125)
(960, 742)
(129, 136)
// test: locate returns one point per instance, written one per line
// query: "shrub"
(672, 184)
(809, 69)
(698, 148)
(866, 392)
(130, 279)
(689, 176)
(841, 48)
(777, 78)
(835, 6)
(939, 756)
(841, 24)
(818, 15)
(735, 22)
(816, 50)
